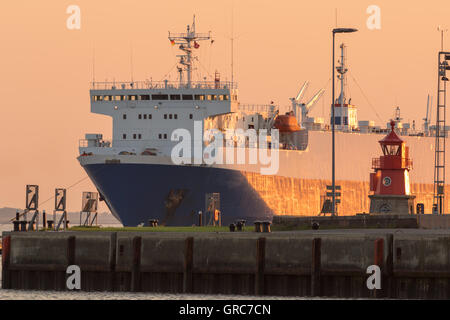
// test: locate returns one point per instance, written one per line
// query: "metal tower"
(187, 41)
(342, 70)
(439, 157)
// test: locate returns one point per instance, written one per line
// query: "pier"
(414, 263)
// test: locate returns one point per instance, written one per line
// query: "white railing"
(130, 85)
(256, 107)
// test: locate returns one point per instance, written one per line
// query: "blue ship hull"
(174, 194)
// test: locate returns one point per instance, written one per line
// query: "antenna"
(442, 30)
(131, 61)
(232, 41)
(93, 65)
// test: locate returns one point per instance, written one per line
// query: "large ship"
(143, 173)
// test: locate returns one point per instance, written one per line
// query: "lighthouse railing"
(392, 162)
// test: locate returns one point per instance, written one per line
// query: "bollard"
(257, 226)
(200, 219)
(266, 226)
(50, 224)
(31, 226)
(23, 225)
(233, 227)
(420, 208)
(66, 224)
(240, 225)
(315, 225)
(16, 225)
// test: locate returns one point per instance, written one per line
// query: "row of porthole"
(139, 136)
(166, 116)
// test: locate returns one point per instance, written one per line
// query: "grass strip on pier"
(159, 229)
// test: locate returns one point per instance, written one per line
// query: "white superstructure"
(145, 113)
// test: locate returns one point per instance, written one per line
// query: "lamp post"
(333, 169)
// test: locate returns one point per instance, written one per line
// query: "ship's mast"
(342, 70)
(186, 42)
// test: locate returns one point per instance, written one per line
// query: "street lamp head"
(344, 30)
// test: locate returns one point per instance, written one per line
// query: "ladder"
(439, 156)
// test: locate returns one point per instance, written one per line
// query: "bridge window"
(160, 136)
(212, 97)
(175, 97)
(165, 116)
(165, 135)
(175, 116)
(187, 96)
(140, 116)
(124, 136)
(224, 97)
(97, 98)
(134, 135)
(119, 98)
(149, 116)
(107, 98)
(199, 97)
(170, 116)
(140, 136)
(132, 97)
(124, 116)
(144, 97)
(145, 117)
(190, 116)
(160, 97)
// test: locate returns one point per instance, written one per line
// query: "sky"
(46, 68)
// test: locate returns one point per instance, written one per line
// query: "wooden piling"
(389, 268)
(188, 265)
(136, 269)
(378, 261)
(70, 250)
(260, 264)
(316, 267)
(6, 249)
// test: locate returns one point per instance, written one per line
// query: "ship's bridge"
(145, 113)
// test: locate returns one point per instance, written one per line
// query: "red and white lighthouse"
(390, 179)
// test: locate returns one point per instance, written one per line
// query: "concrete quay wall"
(413, 263)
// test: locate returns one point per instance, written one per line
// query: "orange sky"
(46, 68)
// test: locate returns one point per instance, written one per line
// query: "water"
(66, 295)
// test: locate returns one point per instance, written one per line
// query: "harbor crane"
(305, 107)
(427, 119)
